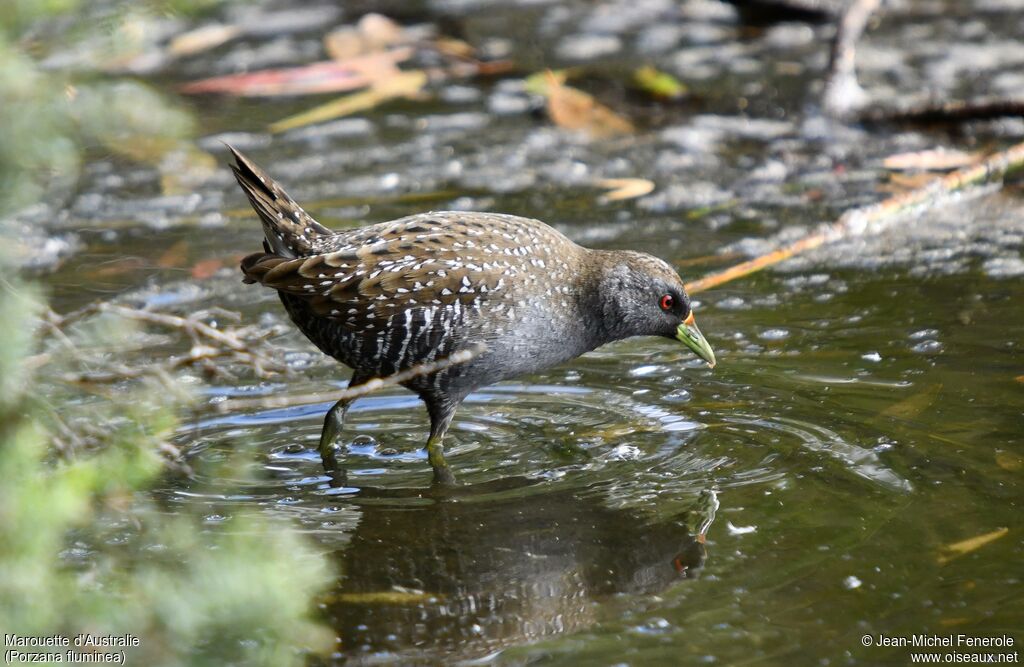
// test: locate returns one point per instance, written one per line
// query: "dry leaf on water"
(964, 547)
(938, 159)
(538, 82)
(396, 596)
(899, 182)
(173, 256)
(402, 84)
(910, 408)
(659, 84)
(206, 268)
(320, 77)
(202, 39)
(372, 33)
(623, 188)
(1010, 461)
(455, 48)
(574, 109)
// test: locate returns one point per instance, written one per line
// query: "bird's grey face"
(643, 296)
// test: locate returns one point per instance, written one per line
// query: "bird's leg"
(441, 414)
(333, 423)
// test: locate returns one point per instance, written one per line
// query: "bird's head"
(640, 295)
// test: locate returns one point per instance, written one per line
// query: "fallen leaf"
(899, 182)
(484, 67)
(574, 109)
(394, 597)
(1010, 461)
(658, 83)
(173, 256)
(939, 159)
(403, 84)
(380, 31)
(206, 268)
(119, 266)
(962, 548)
(456, 48)
(202, 39)
(1019, 378)
(538, 83)
(374, 32)
(624, 188)
(910, 408)
(320, 77)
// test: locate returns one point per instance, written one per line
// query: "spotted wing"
(417, 268)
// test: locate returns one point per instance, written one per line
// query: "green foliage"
(193, 594)
(85, 546)
(50, 115)
(38, 145)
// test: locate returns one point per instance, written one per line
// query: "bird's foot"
(443, 475)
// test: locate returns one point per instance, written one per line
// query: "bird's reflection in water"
(460, 577)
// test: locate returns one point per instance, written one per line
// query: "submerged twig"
(460, 357)
(209, 344)
(874, 218)
(955, 111)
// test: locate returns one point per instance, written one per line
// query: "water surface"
(633, 506)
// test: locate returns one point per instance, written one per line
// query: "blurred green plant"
(86, 547)
(52, 114)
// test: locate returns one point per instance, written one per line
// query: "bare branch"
(460, 357)
(876, 217)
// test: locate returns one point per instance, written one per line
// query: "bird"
(391, 296)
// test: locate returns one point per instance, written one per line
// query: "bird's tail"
(290, 231)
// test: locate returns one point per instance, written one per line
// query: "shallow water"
(633, 506)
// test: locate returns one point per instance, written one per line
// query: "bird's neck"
(598, 305)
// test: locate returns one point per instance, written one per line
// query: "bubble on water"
(678, 396)
(644, 371)
(587, 47)
(924, 333)
(774, 334)
(653, 626)
(1004, 267)
(928, 347)
(871, 356)
(625, 453)
(732, 303)
(851, 582)
(739, 530)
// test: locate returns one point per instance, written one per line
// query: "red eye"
(667, 302)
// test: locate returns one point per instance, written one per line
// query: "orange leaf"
(938, 159)
(573, 109)
(206, 268)
(173, 256)
(320, 77)
(624, 188)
